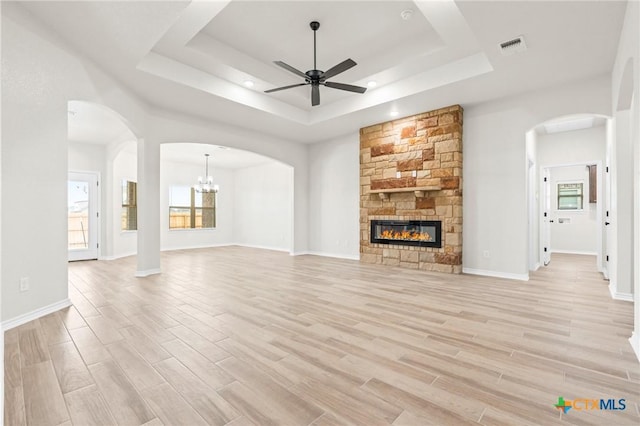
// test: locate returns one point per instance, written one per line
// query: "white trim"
(536, 267)
(635, 344)
(334, 255)
(600, 206)
(261, 247)
(117, 256)
(586, 253)
(35, 314)
(142, 274)
(497, 274)
(300, 253)
(616, 295)
(2, 378)
(199, 246)
(95, 215)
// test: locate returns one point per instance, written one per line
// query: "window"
(129, 218)
(189, 209)
(570, 196)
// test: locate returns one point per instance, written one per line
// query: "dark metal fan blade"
(285, 87)
(291, 69)
(315, 95)
(347, 87)
(341, 67)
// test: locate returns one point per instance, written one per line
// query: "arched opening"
(566, 194)
(253, 206)
(627, 155)
(98, 138)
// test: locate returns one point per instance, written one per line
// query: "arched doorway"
(567, 153)
(97, 136)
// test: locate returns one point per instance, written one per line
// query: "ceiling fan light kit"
(316, 78)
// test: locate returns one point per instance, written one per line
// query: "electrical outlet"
(486, 254)
(414, 173)
(24, 284)
(398, 175)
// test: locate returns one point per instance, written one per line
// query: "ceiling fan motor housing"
(316, 77)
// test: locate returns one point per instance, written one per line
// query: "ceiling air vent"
(512, 46)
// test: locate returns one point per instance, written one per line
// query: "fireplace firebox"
(423, 233)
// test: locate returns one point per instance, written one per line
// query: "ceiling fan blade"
(347, 87)
(341, 67)
(315, 95)
(291, 69)
(285, 87)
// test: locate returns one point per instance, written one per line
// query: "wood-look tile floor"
(242, 336)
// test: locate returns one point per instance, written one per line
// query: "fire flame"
(389, 234)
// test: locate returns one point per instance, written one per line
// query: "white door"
(82, 213)
(545, 229)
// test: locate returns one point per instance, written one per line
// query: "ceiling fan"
(317, 78)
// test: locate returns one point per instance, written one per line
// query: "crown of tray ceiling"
(215, 47)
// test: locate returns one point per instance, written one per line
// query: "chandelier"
(206, 184)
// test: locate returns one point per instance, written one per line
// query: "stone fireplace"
(411, 191)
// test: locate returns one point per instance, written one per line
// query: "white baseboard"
(617, 295)
(299, 253)
(635, 344)
(35, 314)
(497, 274)
(2, 377)
(536, 267)
(117, 256)
(334, 255)
(142, 274)
(587, 253)
(261, 247)
(197, 246)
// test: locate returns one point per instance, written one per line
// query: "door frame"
(599, 207)
(94, 215)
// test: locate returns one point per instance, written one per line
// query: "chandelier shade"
(205, 184)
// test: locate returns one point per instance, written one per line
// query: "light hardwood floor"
(243, 336)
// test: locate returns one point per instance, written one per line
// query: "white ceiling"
(219, 156)
(194, 57)
(90, 123)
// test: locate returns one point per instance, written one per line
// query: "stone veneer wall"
(431, 144)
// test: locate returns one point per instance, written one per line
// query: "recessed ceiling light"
(372, 83)
(394, 113)
(248, 83)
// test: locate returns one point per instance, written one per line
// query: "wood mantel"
(419, 191)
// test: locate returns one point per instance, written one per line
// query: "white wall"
(578, 146)
(175, 173)
(34, 172)
(625, 82)
(533, 196)
(334, 193)
(39, 76)
(263, 206)
(495, 173)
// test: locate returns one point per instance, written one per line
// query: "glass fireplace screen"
(425, 233)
